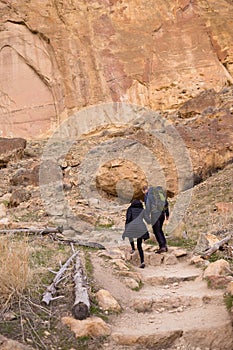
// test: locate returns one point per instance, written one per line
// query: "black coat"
(134, 224)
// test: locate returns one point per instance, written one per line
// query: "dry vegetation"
(27, 267)
(15, 271)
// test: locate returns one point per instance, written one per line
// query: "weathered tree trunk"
(81, 243)
(216, 246)
(81, 305)
(51, 290)
(51, 230)
(33, 230)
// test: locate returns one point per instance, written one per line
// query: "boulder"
(11, 150)
(18, 196)
(92, 327)
(26, 176)
(121, 178)
(106, 301)
(219, 267)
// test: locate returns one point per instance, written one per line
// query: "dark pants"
(139, 247)
(157, 226)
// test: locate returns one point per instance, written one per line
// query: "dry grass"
(14, 269)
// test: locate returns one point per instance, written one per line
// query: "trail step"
(176, 296)
(204, 327)
(167, 274)
(174, 309)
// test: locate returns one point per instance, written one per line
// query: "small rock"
(9, 316)
(197, 259)
(4, 222)
(180, 252)
(170, 259)
(106, 301)
(2, 211)
(131, 283)
(180, 309)
(162, 309)
(156, 259)
(120, 264)
(175, 284)
(131, 274)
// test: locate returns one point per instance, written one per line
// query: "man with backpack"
(157, 209)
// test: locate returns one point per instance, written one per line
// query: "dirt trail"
(174, 308)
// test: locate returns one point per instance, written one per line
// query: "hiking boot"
(161, 250)
(142, 265)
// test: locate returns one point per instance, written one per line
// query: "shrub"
(228, 299)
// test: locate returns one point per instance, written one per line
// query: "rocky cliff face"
(57, 57)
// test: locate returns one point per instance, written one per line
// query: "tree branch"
(216, 246)
(51, 290)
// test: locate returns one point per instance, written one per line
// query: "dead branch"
(81, 305)
(50, 230)
(33, 230)
(216, 246)
(79, 242)
(34, 334)
(51, 290)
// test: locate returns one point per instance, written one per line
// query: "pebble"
(175, 284)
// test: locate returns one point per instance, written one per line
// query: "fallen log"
(79, 242)
(81, 307)
(49, 231)
(89, 244)
(33, 230)
(216, 247)
(51, 289)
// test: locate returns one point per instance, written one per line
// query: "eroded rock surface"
(59, 56)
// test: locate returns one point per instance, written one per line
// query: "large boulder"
(121, 178)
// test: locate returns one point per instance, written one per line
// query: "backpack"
(159, 202)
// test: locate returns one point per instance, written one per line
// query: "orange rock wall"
(57, 57)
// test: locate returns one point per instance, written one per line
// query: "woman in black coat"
(135, 227)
